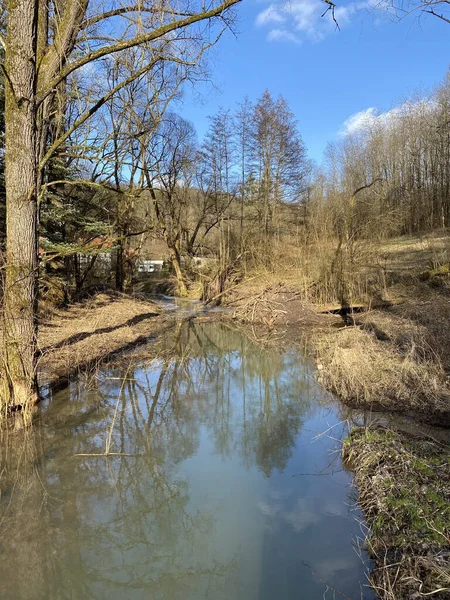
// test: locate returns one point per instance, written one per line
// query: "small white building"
(150, 266)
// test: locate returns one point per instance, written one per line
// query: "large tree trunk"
(19, 384)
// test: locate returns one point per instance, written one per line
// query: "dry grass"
(394, 374)
(404, 490)
(409, 254)
(429, 309)
(89, 332)
(372, 267)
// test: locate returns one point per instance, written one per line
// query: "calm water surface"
(224, 490)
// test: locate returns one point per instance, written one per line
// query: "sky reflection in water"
(221, 497)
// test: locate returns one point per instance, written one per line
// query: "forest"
(235, 198)
(131, 236)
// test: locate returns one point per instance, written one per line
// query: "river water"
(226, 484)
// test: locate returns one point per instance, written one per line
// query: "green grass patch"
(404, 490)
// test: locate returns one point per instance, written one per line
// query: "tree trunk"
(120, 271)
(19, 383)
(175, 260)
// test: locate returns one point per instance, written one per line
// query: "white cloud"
(331, 568)
(305, 18)
(282, 35)
(269, 15)
(372, 117)
(302, 516)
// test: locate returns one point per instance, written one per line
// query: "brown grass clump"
(395, 373)
(404, 491)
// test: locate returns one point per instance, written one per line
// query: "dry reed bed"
(404, 491)
(384, 362)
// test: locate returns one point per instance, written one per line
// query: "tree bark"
(120, 275)
(176, 263)
(19, 383)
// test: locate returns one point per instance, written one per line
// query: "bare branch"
(331, 8)
(439, 16)
(131, 43)
(93, 109)
(128, 9)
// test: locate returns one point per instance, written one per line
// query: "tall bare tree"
(279, 155)
(243, 135)
(170, 159)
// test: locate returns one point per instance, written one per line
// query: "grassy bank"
(90, 332)
(385, 361)
(404, 491)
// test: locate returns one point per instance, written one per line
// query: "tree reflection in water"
(138, 526)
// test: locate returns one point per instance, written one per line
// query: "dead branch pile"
(273, 305)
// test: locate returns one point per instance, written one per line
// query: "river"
(224, 482)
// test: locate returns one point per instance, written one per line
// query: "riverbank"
(387, 361)
(404, 490)
(88, 333)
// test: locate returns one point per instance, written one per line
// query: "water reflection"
(202, 502)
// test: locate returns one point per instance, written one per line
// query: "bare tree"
(46, 42)
(279, 155)
(169, 159)
(243, 132)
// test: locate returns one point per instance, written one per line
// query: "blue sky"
(325, 75)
